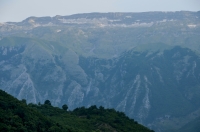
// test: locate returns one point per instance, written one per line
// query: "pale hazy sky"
(18, 10)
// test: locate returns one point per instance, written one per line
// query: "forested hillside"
(17, 116)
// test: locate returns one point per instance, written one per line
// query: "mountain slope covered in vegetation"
(17, 116)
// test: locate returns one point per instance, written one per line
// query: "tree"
(24, 101)
(47, 102)
(101, 108)
(93, 107)
(65, 107)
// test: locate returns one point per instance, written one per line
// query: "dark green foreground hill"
(17, 116)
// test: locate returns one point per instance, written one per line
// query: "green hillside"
(17, 116)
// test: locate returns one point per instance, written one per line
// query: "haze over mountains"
(144, 64)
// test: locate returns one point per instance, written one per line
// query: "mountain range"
(143, 64)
